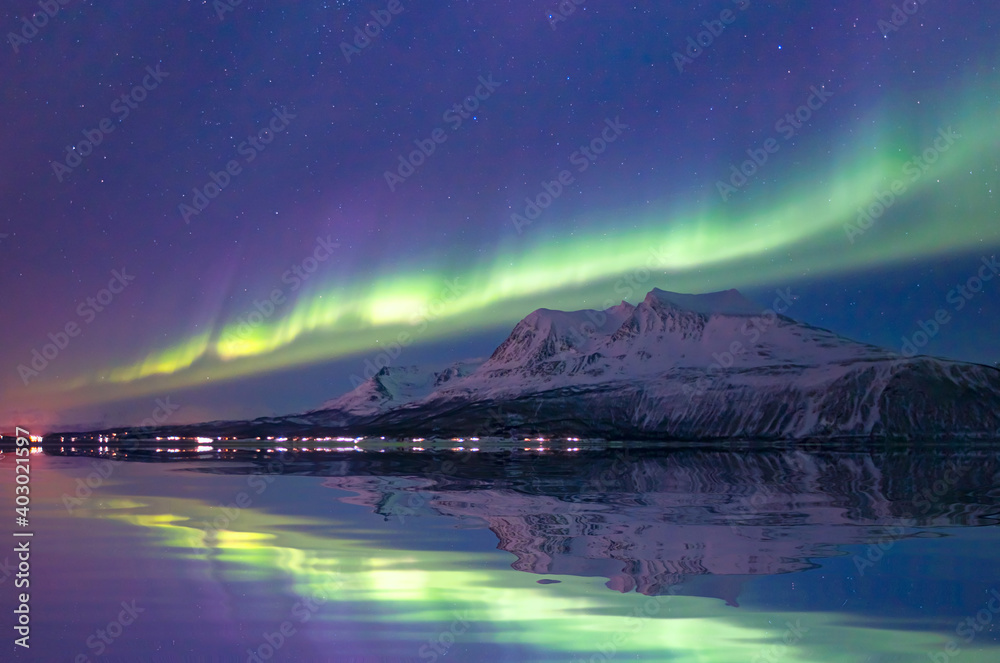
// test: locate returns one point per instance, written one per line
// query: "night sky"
(235, 207)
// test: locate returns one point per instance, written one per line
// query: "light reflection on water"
(686, 555)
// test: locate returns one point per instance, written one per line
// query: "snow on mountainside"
(729, 302)
(684, 514)
(393, 386)
(683, 366)
(666, 332)
(544, 333)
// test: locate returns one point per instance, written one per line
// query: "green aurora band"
(799, 232)
(399, 594)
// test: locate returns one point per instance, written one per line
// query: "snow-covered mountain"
(649, 520)
(678, 366)
(393, 386)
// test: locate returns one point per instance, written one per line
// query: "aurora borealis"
(301, 263)
(171, 536)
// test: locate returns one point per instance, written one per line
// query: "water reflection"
(649, 521)
(686, 554)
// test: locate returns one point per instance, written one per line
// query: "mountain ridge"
(674, 367)
(684, 366)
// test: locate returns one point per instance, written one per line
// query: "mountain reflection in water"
(696, 522)
(634, 552)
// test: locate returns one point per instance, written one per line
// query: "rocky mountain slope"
(678, 366)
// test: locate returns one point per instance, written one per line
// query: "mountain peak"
(563, 322)
(725, 302)
(678, 366)
(392, 385)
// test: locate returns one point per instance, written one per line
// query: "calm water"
(641, 555)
